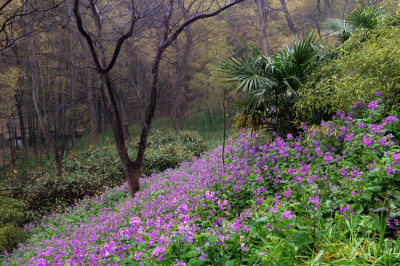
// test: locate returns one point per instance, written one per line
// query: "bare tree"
(132, 169)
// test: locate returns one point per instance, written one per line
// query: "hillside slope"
(316, 198)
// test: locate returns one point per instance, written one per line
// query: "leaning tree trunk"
(289, 20)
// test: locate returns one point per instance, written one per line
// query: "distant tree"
(263, 18)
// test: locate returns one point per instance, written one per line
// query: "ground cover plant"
(330, 195)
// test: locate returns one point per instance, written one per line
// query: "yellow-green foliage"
(11, 219)
(367, 63)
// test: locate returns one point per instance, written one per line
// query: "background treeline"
(68, 86)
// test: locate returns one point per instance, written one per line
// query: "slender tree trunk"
(328, 14)
(344, 9)
(328, 8)
(177, 90)
(181, 84)
(19, 104)
(263, 17)
(131, 169)
(124, 116)
(90, 93)
(318, 17)
(289, 20)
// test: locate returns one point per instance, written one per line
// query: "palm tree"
(361, 18)
(271, 83)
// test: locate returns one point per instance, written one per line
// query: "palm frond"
(366, 18)
(271, 83)
(336, 26)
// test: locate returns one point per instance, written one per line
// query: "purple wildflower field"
(285, 200)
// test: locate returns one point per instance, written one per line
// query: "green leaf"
(230, 263)
(375, 188)
(396, 194)
(366, 195)
(301, 239)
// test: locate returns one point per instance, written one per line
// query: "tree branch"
(123, 38)
(5, 4)
(86, 35)
(193, 19)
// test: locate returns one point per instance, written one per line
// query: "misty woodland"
(199, 132)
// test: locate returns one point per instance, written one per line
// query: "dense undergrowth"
(366, 63)
(328, 196)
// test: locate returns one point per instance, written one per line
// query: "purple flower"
(367, 141)
(203, 256)
(287, 214)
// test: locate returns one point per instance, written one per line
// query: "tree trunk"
(344, 9)
(263, 17)
(177, 90)
(124, 116)
(90, 91)
(328, 14)
(181, 84)
(328, 8)
(131, 169)
(19, 104)
(288, 17)
(122, 109)
(318, 17)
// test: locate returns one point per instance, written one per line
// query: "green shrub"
(167, 149)
(367, 63)
(12, 217)
(89, 172)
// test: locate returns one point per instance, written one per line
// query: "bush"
(166, 150)
(89, 172)
(367, 63)
(12, 218)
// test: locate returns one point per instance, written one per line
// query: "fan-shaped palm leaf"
(270, 83)
(366, 18)
(339, 27)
